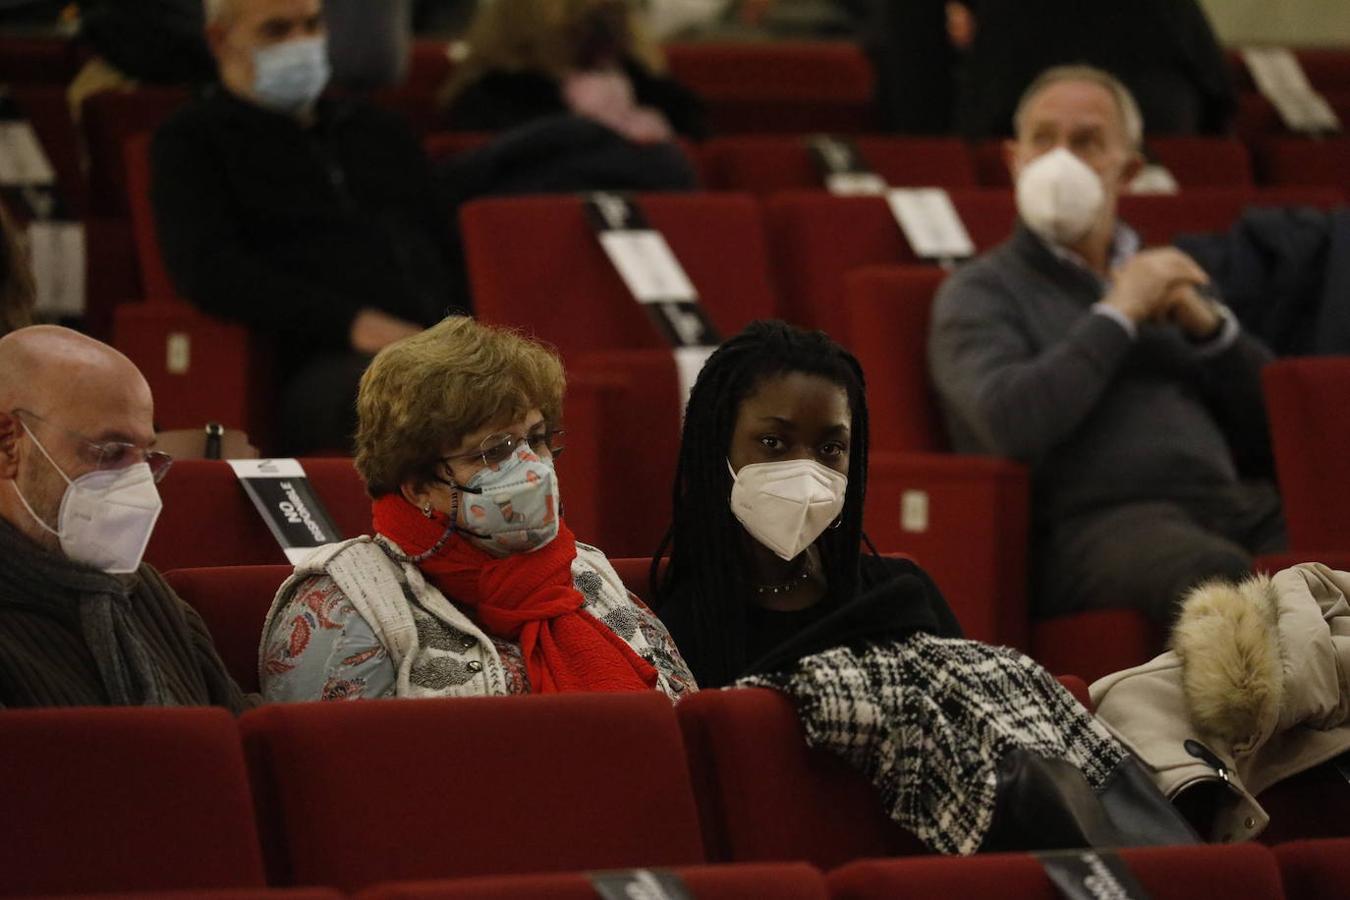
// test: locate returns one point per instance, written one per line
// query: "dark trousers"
(318, 406)
(1147, 555)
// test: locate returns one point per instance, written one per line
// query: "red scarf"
(524, 597)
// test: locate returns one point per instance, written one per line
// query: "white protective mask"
(1059, 197)
(787, 505)
(106, 516)
(288, 77)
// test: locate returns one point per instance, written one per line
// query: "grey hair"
(1130, 117)
(218, 12)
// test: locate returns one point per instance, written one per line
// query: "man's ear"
(215, 39)
(1133, 166)
(10, 433)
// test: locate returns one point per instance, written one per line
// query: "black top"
(290, 230)
(500, 101)
(895, 598)
(1163, 50)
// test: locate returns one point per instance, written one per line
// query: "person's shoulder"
(881, 569)
(979, 278)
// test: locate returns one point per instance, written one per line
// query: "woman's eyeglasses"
(497, 448)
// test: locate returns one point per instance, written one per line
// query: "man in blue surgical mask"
(1111, 370)
(83, 622)
(310, 219)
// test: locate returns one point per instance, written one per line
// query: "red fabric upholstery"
(1327, 68)
(764, 795)
(124, 800)
(1271, 563)
(443, 145)
(1160, 219)
(1078, 687)
(109, 118)
(33, 59)
(1193, 161)
(154, 276)
(208, 519)
(1305, 161)
(779, 87)
(1166, 873)
(763, 165)
(1314, 870)
(233, 602)
(111, 276)
(47, 111)
(1095, 643)
(1306, 399)
(224, 894)
(200, 368)
(534, 263)
(477, 786)
(429, 66)
(783, 881)
(1307, 806)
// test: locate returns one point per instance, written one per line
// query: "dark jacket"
(1285, 272)
(291, 230)
(499, 101)
(895, 599)
(160, 41)
(1163, 50)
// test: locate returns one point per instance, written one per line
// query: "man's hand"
(1149, 285)
(1193, 312)
(373, 330)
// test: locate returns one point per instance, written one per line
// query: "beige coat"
(1258, 674)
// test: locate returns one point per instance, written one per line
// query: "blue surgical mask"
(288, 77)
(511, 507)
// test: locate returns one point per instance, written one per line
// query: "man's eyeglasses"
(497, 448)
(108, 455)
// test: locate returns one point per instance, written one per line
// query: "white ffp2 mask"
(1059, 197)
(106, 516)
(787, 505)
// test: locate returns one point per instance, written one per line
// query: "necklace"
(793, 581)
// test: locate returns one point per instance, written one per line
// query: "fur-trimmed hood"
(1254, 690)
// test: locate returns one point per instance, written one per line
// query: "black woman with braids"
(767, 586)
(765, 546)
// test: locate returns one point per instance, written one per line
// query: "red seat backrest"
(474, 786)
(109, 119)
(1314, 870)
(208, 519)
(233, 602)
(764, 795)
(1166, 873)
(763, 165)
(781, 881)
(535, 264)
(1306, 400)
(155, 279)
(779, 87)
(443, 145)
(1305, 161)
(124, 799)
(1193, 161)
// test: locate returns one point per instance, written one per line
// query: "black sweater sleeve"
(210, 263)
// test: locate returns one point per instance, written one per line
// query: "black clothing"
(499, 101)
(1163, 50)
(160, 41)
(908, 45)
(1285, 273)
(895, 599)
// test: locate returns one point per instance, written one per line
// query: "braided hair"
(709, 565)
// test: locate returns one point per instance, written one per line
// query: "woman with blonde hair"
(531, 59)
(472, 583)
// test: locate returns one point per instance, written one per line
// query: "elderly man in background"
(1134, 396)
(308, 219)
(83, 622)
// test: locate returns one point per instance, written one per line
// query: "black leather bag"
(1047, 804)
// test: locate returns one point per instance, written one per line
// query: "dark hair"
(707, 552)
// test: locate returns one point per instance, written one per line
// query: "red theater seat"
(429, 66)
(783, 881)
(1166, 873)
(763, 165)
(38, 59)
(746, 747)
(534, 263)
(124, 800)
(109, 118)
(1305, 161)
(233, 602)
(1314, 870)
(1193, 161)
(47, 110)
(1306, 400)
(208, 519)
(443, 145)
(476, 786)
(779, 87)
(223, 894)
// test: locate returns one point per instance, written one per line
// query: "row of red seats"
(353, 795)
(742, 746)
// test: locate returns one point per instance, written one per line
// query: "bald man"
(313, 220)
(83, 622)
(1134, 397)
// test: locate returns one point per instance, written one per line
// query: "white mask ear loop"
(24, 500)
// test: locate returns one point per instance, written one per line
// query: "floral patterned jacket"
(353, 622)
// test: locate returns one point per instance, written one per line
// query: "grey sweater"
(1024, 369)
